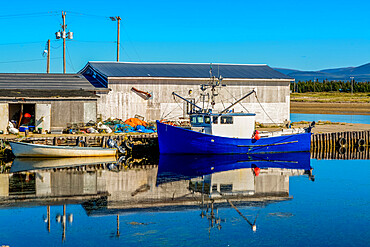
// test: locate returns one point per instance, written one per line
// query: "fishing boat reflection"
(246, 180)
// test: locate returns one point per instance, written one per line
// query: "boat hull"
(176, 140)
(21, 149)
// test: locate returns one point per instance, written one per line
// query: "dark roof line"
(182, 70)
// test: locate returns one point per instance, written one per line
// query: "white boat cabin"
(236, 125)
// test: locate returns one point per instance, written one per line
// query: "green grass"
(332, 97)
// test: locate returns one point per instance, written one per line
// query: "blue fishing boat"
(177, 140)
(226, 131)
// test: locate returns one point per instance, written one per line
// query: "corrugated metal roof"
(46, 93)
(183, 70)
(44, 81)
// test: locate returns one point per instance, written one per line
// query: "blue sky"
(306, 35)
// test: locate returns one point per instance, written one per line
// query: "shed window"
(226, 120)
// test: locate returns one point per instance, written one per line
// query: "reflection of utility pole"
(48, 217)
(117, 233)
(64, 223)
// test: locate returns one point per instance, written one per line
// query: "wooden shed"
(52, 100)
(146, 89)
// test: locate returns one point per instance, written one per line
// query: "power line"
(87, 15)
(30, 60)
(133, 46)
(23, 43)
(70, 60)
(91, 41)
(49, 13)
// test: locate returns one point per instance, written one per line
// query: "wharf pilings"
(341, 145)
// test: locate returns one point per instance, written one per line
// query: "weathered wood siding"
(123, 103)
(63, 111)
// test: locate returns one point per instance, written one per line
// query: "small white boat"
(21, 149)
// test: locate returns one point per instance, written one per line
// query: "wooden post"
(48, 58)
(118, 35)
(64, 40)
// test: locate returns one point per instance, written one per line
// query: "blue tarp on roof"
(183, 70)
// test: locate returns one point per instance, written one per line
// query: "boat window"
(200, 119)
(207, 119)
(214, 187)
(226, 187)
(193, 120)
(226, 120)
(215, 120)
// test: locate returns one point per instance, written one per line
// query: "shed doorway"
(22, 114)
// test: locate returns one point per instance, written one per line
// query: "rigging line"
(165, 109)
(237, 99)
(70, 60)
(178, 105)
(30, 60)
(264, 109)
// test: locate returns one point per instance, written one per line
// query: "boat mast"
(188, 101)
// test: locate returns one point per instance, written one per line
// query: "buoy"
(256, 135)
(257, 171)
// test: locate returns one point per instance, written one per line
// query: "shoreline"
(330, 108)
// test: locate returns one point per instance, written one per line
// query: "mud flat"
(330, 108)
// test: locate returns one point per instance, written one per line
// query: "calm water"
(364, 119)
(158, 205)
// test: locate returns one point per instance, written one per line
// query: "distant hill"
(360, 73)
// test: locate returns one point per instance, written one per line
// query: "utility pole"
(64, 40)
(118, 19)
(351, 84)
(118, 35)
(64, 35)
(48, 58)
